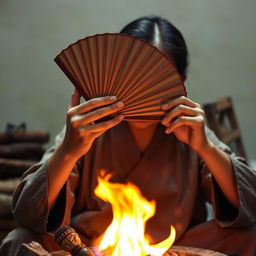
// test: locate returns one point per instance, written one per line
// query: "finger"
(180, 100)
(181, 110)
(92, 104)
(193, 122)
(103, 126)
(75, 99)
(96, 114)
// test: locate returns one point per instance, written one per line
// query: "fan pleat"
(79, 63)
(147, 101)
(148, 85)
(144, 65)
(89, 68)
(139, 61)
(129, 59)
(129, 68)
(71, 65)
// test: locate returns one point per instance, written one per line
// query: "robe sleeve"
(225, 214)
(30, 199)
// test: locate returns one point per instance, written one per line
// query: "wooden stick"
(22, 150)
(191, 251)
(24, 136)
(7, 186)
(14, 167)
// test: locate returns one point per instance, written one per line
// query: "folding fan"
(127, 67)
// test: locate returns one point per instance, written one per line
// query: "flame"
(126, 234)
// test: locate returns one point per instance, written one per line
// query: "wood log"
(6, 205)
(8, 186)
(24, 136)
(29, 150)
(7, 223)
(36, 249)
(14, 167)
(191, 251)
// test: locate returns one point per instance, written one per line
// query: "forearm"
(60, 165)
(219, 163)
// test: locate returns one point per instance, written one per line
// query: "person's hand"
(81, 129)
(185, 119)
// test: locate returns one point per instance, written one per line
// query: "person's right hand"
(81, 130)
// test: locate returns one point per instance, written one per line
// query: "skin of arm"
(80, 133)
(185, 119)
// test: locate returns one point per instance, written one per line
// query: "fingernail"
(168, 131)
(120, 104)
(164, 120)
(113, 98)
(164, 106)
(120, 117)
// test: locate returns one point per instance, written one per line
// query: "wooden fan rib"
(146, 62)
(113, 63)
(152, 111)
(86, 71)
(88, 67)
(69, 73)
(157, 87)
(143, 118)
(150, 108)
(162, 80)
(148, 72)
(131, 62)
(119, 64)
(75, 49)
(102, 62)
(161, 98)
(93, 58)
(121, 56)
(71, 64)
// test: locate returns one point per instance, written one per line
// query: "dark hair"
(171, 39)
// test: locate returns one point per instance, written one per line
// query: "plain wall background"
(220, 34)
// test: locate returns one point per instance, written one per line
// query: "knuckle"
(91, 103)
(200, 120)
(180, 107)
(99, 112)
(69, 112)
(199, 110)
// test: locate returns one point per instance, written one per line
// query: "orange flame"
(126, 234)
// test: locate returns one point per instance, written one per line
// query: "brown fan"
(127, 67)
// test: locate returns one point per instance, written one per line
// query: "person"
(178, 162)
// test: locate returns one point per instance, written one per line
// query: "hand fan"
(127, 67)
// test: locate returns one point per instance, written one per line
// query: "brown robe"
(169, 172)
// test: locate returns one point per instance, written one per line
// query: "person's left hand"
(185, 119)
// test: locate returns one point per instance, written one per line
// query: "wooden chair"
(221, 119)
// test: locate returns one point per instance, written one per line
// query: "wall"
(220, 34)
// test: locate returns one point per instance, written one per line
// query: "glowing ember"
(126, 234)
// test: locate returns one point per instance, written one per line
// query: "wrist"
(206, 149)
(65, 153)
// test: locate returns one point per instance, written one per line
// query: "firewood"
(36, 249)
(22, 150)
(191, 251)
(8, 186)
(24, 136)
(5, 202)
(14, 167)
(7, 223)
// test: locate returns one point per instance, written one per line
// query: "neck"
(142, 134)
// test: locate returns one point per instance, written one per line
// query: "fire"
(126, 234)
